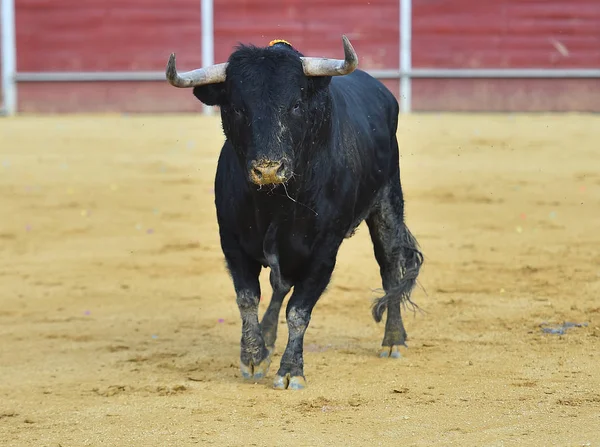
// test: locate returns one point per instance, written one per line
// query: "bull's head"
(273, 100)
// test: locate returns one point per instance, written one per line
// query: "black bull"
(310, 152)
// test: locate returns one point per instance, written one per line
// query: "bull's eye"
(239, 113)
(297, 107)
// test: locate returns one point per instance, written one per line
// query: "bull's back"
(361, 95)
(366, 117)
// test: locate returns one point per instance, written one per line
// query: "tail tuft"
(401, 293)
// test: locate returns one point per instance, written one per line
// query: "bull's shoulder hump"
(363, 87)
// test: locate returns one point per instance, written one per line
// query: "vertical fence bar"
(9, 56)
(208, 40)
(405, 55)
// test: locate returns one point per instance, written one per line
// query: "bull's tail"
(412, 260)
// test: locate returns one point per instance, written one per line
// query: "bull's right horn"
(321, 66)
(202, 76)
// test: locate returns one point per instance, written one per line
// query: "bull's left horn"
(318, 66)
(194, 78)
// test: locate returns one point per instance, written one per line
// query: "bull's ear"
(317, 83)
(211, 94)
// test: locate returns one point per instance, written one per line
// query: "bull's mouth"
(266, 181)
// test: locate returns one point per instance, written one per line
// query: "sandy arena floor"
(118, 322)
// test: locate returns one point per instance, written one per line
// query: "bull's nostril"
(257, 173)
(268, 172)
(281, 170)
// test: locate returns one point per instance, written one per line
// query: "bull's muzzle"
(268, 172)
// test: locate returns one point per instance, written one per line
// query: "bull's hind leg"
(400, 260)
(280, 286)
(268, 324)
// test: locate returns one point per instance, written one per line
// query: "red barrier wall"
(105, 35)
(506, 34)
(111, 35)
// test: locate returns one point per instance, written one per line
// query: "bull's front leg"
(254, 357)
(306, 294)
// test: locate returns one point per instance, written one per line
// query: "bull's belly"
(357, 221)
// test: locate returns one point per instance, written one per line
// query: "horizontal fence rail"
(91, 76)
(436, 73)
(496, 73)
(415, 73)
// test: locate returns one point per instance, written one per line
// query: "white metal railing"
(405, 47)
(8, 50)
(10, 77)
(208, 44)
(422, 73)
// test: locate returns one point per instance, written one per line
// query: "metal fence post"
(208, 40)
(405, 55)
(9, 57)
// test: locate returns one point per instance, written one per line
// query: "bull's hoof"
(390, 352)
(258, 371)
(289, 383)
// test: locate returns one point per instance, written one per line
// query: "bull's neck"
(282, 202)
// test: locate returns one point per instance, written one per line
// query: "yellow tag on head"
(273, 42)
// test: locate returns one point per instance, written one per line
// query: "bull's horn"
(194, 78)
(313, 66)
(316, 66)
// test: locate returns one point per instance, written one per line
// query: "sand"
(118, 322)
